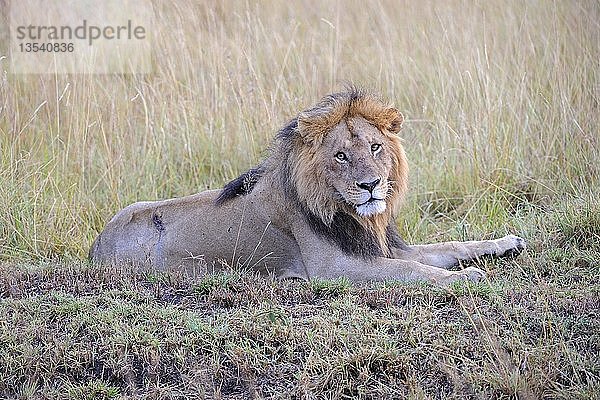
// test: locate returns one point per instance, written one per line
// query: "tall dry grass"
(501, 102)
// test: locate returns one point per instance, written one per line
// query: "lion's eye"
(341, 157)
(375, 147)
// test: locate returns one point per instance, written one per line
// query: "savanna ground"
(502, 133)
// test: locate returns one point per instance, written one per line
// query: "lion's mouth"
(371, 200)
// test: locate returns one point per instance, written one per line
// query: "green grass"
(502, 136)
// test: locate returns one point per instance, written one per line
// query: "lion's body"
(321, 205)
(195, 233)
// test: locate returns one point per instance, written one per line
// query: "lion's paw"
(511, 246)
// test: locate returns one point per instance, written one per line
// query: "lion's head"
(343, 164)
(348, 158)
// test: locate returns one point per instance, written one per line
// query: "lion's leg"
(323, 259)
(382, 269)
(449, 254)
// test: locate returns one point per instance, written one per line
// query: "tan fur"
(304, 212)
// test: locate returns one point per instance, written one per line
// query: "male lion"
(322, 204)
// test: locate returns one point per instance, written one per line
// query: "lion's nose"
(368, 185)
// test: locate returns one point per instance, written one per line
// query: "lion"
(322, 204)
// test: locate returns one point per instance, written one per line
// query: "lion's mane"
(294, 170)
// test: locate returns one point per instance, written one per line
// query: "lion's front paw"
(511, 246)
(468, 274)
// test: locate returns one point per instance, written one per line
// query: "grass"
(502, 134)
(72, 330)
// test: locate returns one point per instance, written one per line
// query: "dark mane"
(346, 233)
(350, 236)
(240, 186)
(393, 237)
(288, 132)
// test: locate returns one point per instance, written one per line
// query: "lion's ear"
(395, 120)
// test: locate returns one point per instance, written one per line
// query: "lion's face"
(348, 158)
(357, 165)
